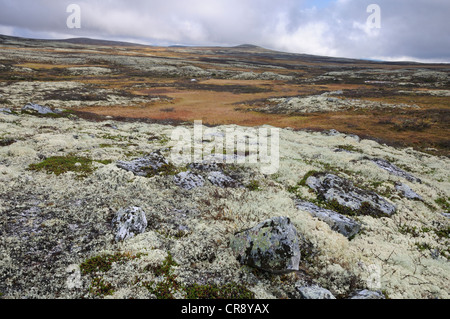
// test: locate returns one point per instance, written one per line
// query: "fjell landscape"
(95, 205)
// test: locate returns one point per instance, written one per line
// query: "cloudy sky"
(409, 29)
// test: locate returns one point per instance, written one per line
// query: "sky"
(413, 30)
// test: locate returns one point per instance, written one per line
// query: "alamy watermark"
(232, 146)
(374, 20)
(74, 19)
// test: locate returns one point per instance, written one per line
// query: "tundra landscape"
(92, 205)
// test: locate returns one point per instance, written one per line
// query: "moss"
(62, 164)
(254, 185)
(63, 114)
(228, 291)
(164, 170)
(444, 203)
(104, 263)
(305, 178)
(350, 148)
(101, 288)
(166, 288)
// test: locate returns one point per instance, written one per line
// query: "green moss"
(444, 203)
(228, 291)
(350, 148)
(101, 288)
(305, 178)
(164, 170)
(254, 185)
(62, 164)
(104, 263)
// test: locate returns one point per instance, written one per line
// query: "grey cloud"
(410, 28)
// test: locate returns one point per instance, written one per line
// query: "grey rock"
(6, 110)
(407, 192)
(128, 223)
(145, 165)
(314, 292)
(271, 246)
(36, 108)
(220, 179)
(333, 188)
(189, 180)
(394, 170)
(339, 223)
(368, 294)
(446, 215)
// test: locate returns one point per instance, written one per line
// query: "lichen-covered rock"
(189, 180)
(314, 292)
(394, 170)
(272, 246)
(129, 223)
(36, 108)
(368, 294)
(144, 166)
(342, 224)
(341, 191)
(220, 179)
(407, 192)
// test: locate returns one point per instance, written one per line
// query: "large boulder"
(343, 193)
(128, 223)
(339, 223)
(271, 246)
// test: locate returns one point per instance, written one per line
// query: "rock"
(339, 223)
(129, 223)
(144, 166)
(220, 179)
(394, 170)
(189, 180)
(36, 108)
(341, 191)
(6, 110)
(271, 246)
(367, 294)
(446, 215)
(407, 192)
(314, 292)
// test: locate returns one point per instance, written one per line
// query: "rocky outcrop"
(189, 180)
(407, 192)
(394, 170)
(339, 223)
(314, 292)
(220, 179)
(342, 193)
(128, 223)
(272, 246)
(145, 166)
(38, 109)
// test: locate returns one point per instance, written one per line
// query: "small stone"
(220, 179)
(129, 223)
(145, 165)
(315, 292)
(189, 180)
(407, 192)
(394, 170)
(368, 294)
